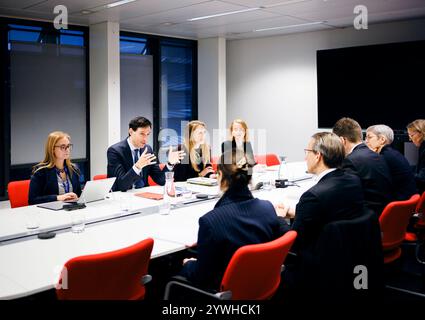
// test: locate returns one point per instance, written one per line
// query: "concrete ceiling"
(171, 17)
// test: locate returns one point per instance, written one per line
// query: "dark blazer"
(342, 246)
(337, 196)
(404, 185)
(373, 171)
(420, 169)
(184, 169)
(120, 165)
(247, 147)
(44, 186)
(237, 219)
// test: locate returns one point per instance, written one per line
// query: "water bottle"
(283, 169)
(169, 193)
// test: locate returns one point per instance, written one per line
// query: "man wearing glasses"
(337, 196)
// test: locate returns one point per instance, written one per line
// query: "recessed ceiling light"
(118, 3)
(223, 14)
(86, 12)
(290, 26)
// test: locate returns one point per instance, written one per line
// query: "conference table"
(29, 265)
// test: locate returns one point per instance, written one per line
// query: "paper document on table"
(203, 181)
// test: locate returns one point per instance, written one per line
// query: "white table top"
(31, 265)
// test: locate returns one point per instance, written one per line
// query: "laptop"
(93, 191)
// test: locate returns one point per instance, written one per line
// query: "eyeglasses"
(64, 147)
(309, 150)
(411, 135)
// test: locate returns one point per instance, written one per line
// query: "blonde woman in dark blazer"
(56, 177)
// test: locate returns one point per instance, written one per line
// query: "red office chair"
(100, 177)
(393, 221)
(116, 275)
(420, 223)
(214, 162)
(150, 180)
(269, 159)
(18, 193)
(253, 273)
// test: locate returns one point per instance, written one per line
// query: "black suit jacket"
(184, 169)
(238, 219)
(373, 171)
(120, 165)
(404, 185)
(247, 149)
(337, 196)
(420, 169)
(44, 186)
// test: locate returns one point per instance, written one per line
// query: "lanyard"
(65, 183)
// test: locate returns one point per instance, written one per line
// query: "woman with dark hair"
(238, 219)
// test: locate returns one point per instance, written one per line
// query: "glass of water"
(78, 221)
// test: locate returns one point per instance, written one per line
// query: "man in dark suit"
(132, 160)
(337, 196)
(369, 166)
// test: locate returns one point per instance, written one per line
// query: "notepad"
(203, 181)
(150, 195)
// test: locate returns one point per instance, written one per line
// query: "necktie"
(139, 183)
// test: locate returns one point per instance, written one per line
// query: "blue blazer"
(44, 186)
(404, 185)
(237, 219)
(373, 171)
(120, 165)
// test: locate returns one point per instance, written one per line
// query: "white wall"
(271, 82)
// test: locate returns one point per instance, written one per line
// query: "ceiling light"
(290, 26)
(223, 14)
(118, 3)
(86, 12)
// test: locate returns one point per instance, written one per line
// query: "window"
(46, 91)
(177, 73)
(158, 81)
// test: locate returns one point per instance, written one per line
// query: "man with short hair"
(369, 166)
(337, 196)
(132, 160)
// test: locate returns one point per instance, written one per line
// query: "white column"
(212, 88)
(104, 92)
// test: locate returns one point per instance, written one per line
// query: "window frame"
(23, 171)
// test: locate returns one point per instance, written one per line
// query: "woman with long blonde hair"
(56, 177)
(239, 141)
(197, 161)
(416, 132)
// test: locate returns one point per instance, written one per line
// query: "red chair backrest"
(394, 220)
(214, 162)
(269, 159)
(272, 159)
(420, 209)
(113, 275)
(100, 177)
(254, 271)
(150, 180)
(18, 193)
